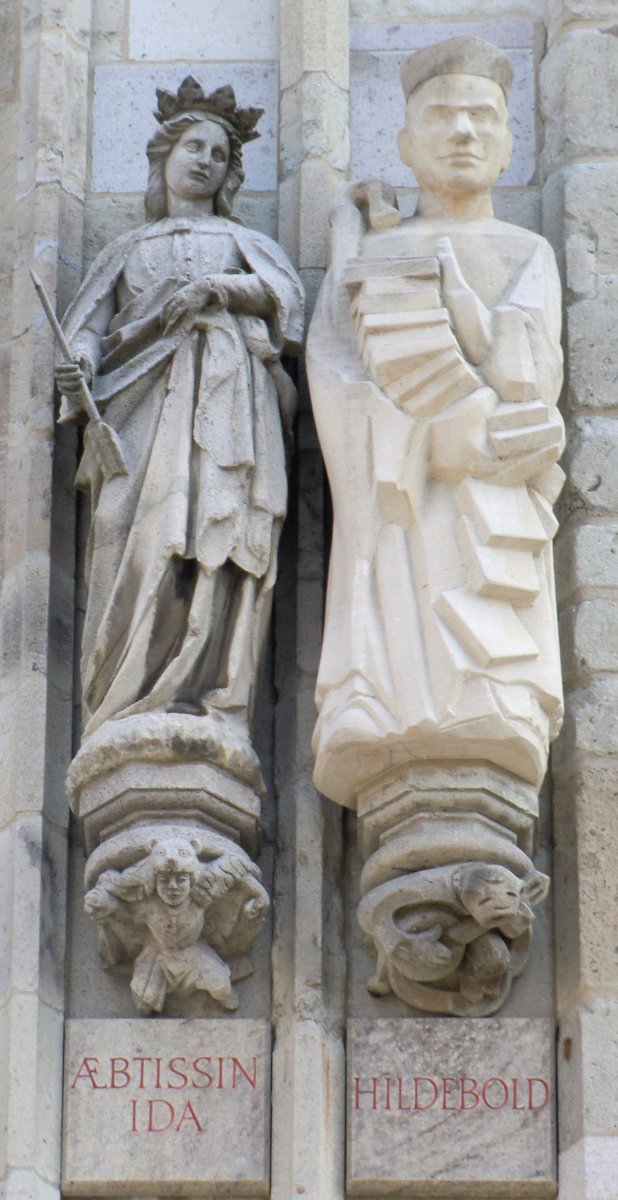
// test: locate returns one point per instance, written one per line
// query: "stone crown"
(220, 104)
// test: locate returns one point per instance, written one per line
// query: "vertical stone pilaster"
(42, 161)
(314, 151)
(309, 954)
(579, 77)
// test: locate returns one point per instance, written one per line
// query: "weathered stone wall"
(377, 51)
(134, 51)
(579, 79)
(137, 47)
(42, 154)
(73, 172)
(309, 954)
(380, 38)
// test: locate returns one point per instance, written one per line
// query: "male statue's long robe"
(402, 678)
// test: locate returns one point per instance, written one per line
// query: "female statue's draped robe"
(182, 550)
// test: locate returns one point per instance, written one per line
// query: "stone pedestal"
(448, 884)
(167, 767)
(156, 792)
(172, 1108)
(452, 1109)
(170, 808)
(455, 794)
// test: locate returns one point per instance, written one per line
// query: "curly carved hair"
(160, 147)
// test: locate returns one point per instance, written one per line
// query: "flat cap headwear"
(457, 56)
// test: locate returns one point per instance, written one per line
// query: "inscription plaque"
(450, 1108)
(166, 1107)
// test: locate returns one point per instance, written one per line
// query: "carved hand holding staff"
(435, 367)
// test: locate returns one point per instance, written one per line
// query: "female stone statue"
(178, 330)
(179, 327)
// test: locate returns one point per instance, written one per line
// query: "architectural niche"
(435, 366)
(176, 336)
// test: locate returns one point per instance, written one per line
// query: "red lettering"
(424, 1079)
(141, 1060)
(516, 1106)
(151, 1127)
(86, 1071)
(134, 1116)
(401, 1107)
(237, 1066)
(388, 1082)
(505, 1093)
(158, 1073)
(468, 1087)
(181, 1074)
(447, 1087)
(122, 1071)
(544, 1084)
(220, 1083)
(189, 1114)
(206, 1074)
(360, 1091)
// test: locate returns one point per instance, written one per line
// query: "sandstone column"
(579, 82)
(42, 154)
(308, 976)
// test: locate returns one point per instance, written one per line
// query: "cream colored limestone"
(579, 201)
(575, 77)
(42, 167)
(44, 106)
(314, 38)
(435, 367)
(118, 160)
(179, 328)
(587, 562)
(450, 1109)
(377, 53)
(178, 1107)
(314, 110)
(589, 1168)
(108, 32)
(124, 40)
(447, 11)
(226, 32)
(9, 41)
(309, 961)
(561, 13)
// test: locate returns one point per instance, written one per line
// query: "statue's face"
(173, 887)
(456, 136)
(198, 163)
(498, 898)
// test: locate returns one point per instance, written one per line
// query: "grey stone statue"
(179, 329)
(174, 913)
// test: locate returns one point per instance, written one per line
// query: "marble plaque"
(166, 1107)
(451, 1108)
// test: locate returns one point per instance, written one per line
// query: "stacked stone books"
(404, 334)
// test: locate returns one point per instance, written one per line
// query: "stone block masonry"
(577, 79)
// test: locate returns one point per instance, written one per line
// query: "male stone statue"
(435, 367)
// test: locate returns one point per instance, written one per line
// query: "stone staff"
(104, 439)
